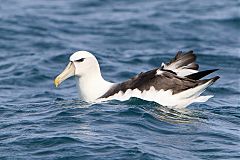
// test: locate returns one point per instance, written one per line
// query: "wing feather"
(182, 64)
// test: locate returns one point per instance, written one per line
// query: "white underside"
(165, 98)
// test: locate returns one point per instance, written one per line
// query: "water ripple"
(41, 122)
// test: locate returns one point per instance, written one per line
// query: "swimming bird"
(175, 84)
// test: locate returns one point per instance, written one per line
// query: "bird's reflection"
(170, 115)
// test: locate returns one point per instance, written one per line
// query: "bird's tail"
(193, 94)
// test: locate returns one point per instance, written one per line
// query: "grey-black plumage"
(163, 78)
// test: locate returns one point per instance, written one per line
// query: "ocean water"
(39, 121)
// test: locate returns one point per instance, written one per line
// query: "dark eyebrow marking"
(80, 60)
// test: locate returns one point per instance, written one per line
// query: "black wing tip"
(201, 74)
(190, 51)
(214, 79)
(196, 66)
(181, 53)
(186, 55)
(211, 70)
(193, 66)
(210, 81)
(215, 70)
(183, 59)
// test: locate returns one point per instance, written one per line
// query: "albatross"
(175, 84)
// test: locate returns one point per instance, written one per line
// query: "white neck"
(92, 86)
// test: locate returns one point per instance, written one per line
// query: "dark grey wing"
(184, 65)
(185, 60)
(165, 80)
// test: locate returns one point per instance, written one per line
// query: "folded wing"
(176, 84)
(182, 64)
(160, 80)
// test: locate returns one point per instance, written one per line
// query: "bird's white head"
(82, 63)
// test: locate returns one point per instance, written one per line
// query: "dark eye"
(80, 60)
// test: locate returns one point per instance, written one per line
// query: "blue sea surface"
(39, 121)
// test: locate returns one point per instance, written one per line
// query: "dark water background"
(39, 121)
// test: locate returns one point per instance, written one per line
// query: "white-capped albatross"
(175, 84)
